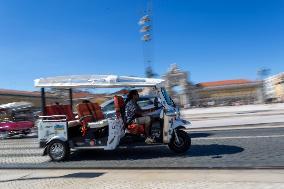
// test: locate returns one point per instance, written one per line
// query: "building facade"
(216, 93)
(228, 92)
(274, 88)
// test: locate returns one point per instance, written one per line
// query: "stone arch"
(175, 77)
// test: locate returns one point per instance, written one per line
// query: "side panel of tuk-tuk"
(116, 132)
(48, 129)
(168, 129)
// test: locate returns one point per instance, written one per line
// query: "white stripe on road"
(239, 137)
(233, 127)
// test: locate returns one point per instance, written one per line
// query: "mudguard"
(181, 124)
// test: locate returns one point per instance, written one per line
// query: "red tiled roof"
(224, 82)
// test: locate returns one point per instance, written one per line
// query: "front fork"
(176, 136)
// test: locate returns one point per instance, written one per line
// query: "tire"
(185, 142)
(58, 150)
(26, 132)
(4, 135)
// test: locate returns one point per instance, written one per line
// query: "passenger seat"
(62, 110)
(91, 115)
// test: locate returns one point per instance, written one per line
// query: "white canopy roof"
(97, 81)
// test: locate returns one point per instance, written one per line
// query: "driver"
(134, 114)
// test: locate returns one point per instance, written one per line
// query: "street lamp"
(146, 30)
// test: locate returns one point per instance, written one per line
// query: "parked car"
(16, 118)
(145, 103)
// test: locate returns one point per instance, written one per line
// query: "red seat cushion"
(97, 111)
(135, 128)
(54, 110)
(68, 112)
(92, 110)
(83, 110)
(60, 110)
(119, 106)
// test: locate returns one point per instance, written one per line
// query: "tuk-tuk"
(61, 129)
(16, 118)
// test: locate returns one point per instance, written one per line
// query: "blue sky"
(212, 39)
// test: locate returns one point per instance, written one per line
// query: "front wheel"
(180, 144)
(58, 150)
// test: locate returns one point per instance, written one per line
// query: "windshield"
(108, 107)
(168, 99)
(144, 102)
(4, 116)
(22, 115)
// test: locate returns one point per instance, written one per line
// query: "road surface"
(242, 148)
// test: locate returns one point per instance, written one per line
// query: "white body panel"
(167, 129)
(48, 129)
(51, 129)
(116, 132)
(180, 122)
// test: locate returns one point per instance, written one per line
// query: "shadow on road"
(213, 150)
(153, 152)
(72, 175)
(199, 135)
(20, 137)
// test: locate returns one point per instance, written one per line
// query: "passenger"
(134, 114)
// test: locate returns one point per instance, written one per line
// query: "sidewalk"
(242, 108)
(138, 179)
(235, 116)
(239, 121)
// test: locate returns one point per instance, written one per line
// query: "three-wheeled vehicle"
(15, 118)
(60, 129)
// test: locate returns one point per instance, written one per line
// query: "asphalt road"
(248, 148)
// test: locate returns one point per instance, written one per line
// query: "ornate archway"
(177, 84)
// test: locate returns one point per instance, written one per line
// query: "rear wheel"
(180, 144)
(27, 131)
(58, 150)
